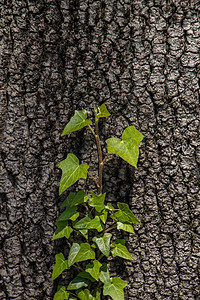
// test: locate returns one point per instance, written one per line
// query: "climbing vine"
(92, 219)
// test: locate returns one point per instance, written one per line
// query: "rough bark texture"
(142, 58)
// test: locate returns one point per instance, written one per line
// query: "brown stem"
(93, 179)
(110, 228)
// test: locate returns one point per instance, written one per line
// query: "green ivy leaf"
(67, 214)
(125, 215)
(75, 199)
(63, 230)
(85, 295)
(114, 288)
(103, 216)
(103, 243)
(78, 121)
(60, 266)
(97, 295)
(77, 283)
(71, 172)
(127, 147)
(61, 294)
(84, 232)
(80, 252)
(102, 112)
(93, 269)
(121, 250)
(125, 227)
(89, 223)
(97, 201)
(104, 275)
(109, 207)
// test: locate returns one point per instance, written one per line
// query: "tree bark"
(142, 59)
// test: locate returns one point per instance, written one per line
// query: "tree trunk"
(142, 59)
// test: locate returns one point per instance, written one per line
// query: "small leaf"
(97, 224)
(114, 288)
(71, 172)
(125, 227)
(77, 283)
(61, 294)
(75, 199)
(84, 232)
(125, 215)
(63, 230)
(103, 112)
(85, 295)
(103, 243)
(104, 275)
(97, 295)
(121, 250)
(103, 216)
(80, 252)
(89, 223)
(127, 147)
(67, 214)
(78, 121)
(97, 201)
(60, 266)
(74, 217)
(93, 269)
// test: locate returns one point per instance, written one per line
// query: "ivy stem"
(93, 179)
(110, 228)
(92, 130)
(100, 187)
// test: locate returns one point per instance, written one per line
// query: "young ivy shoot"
(91, 219)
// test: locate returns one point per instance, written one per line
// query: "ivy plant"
(91, 219)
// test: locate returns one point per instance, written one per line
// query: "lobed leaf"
(78, 121)
(85, 295)
(114, 288)
(61, 294)
(102, 111)
(63, 230)
(77, 283)
(104, 275)
(80, 252)
(125, 227)
(103, 243)
(75, 199)
(121, 250)
(71, 172)
(97, 201)
(60, 266)
(103, 216)
(89, 223)
(67, 214)
(86, 275)
(93, 269)
(127, 147)
(125, 215)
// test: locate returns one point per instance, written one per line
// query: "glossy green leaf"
(74, 217)
(67, 214)
(60, 266)
(93, 269)
(78, 121)
(77, 283)
(125, 215)
(104, 275)
(125, 227)
(109, 207)
(121, 250)
(127, 147)
(63, 230)
(80, 252)
(75, 199)
(89, 223)
(103, 243)
(103, 215)
(102, 112)
(114, 288)
(71, 172)
(97, 201)
(85, 295)
(84, 232)
(61, 294)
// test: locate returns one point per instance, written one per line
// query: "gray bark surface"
(142, 59)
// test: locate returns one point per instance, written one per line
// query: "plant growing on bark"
(92, 220)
